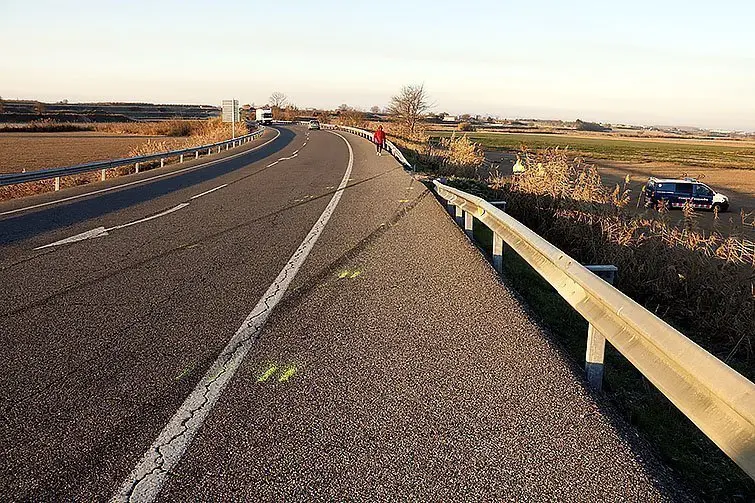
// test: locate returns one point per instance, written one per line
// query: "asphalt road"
(379, 375)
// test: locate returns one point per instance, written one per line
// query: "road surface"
(299, 320)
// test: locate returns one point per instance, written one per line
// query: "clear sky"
(645, 62)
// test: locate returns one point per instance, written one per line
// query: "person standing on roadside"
(379, 139)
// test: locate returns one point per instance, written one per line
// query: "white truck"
(264, 116)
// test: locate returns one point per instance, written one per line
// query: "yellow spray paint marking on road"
(186, 371)
(266, 375)
(287, 374)
(403, 200)
(349, 274)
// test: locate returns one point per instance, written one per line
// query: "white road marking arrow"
(94, 233)
(101, 231)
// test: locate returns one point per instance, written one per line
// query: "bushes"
(704, 284)
(465, 126)
(46, 126)
(701, 282)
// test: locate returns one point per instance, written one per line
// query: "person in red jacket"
(379, 139)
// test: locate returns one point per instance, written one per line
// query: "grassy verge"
(731, 154)
(707, 471)
(175, 135)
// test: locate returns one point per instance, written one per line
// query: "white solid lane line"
(149, 475)
(208, 191)
(115, 187)
(272, 164)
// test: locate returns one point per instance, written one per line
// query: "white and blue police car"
(675, 193)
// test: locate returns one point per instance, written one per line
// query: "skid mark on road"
(147, 478)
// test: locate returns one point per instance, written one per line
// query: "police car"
(676, 193)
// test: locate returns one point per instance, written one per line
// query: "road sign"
(230, 110)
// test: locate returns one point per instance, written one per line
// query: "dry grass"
(703, 281)
(32, 151)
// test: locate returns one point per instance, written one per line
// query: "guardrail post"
(102, 175)
(162, 162)
(136, 166)
(450, 208)
(596, 349)
(181, 158)
(596, 342)
(459, 215)
(196, 154)
(498, 253)
(57, 183)
(499, 204)
(468, 224)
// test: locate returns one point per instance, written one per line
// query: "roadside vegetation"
(703, 153)
(162, 137)
(701, 282)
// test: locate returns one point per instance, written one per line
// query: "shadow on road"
(26, 225)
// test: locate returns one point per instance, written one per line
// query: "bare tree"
(2, 105)
(278, 99)
(410, 105)
(40, 108)
(375, 109)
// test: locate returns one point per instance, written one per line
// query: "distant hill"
(27, 111)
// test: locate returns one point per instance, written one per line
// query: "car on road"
(314, 125)
(676, 193)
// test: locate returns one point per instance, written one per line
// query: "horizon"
(559, 62)
(363, 110)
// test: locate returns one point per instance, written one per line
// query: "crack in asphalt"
(108, 272)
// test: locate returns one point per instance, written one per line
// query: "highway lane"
(105, 337)
(26, 217)
(379, 375)
(383, 377)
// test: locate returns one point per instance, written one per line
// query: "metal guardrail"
(390, 147)
(711, 394)
(56, 173)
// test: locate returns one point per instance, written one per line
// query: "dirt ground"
(32, 151)
(737, 184)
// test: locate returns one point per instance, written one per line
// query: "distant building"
(449, 118)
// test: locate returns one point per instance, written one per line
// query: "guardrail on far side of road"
(103, 166)
(390, 147)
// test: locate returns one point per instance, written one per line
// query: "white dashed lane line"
(208, 191)
(102, 231)
(136, 182)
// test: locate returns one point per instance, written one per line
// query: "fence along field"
(32, 151)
